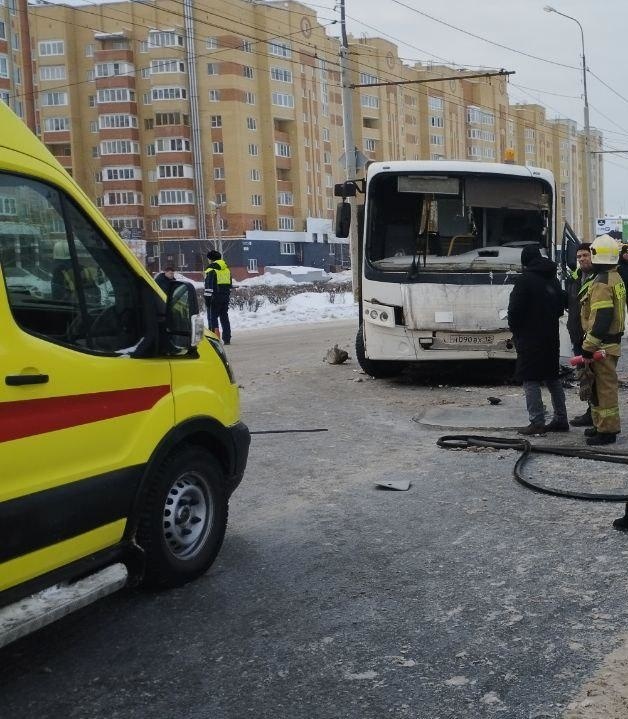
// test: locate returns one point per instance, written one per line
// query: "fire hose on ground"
(527, 449)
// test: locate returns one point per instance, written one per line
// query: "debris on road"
(336, 356)
(401, 485)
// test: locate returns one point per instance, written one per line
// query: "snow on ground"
(305, 307)
(300, 308)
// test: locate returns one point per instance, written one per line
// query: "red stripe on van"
(30, 417)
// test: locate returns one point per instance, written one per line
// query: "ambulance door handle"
(15, 380)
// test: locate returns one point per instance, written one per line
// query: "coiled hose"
(465, 441)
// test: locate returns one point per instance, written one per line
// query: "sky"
(523, 26)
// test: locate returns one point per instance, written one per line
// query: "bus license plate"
(459, 339)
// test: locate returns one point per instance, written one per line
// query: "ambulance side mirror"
(184, 323)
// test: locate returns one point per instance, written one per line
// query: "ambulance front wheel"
(184, 518)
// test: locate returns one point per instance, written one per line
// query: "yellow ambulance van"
(120, 435)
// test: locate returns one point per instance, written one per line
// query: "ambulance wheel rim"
(187, 515)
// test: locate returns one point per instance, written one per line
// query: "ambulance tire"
(380, 369)
(183, 519)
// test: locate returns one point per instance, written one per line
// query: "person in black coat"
(166, 278)
(536, 303)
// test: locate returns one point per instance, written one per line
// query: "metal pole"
(591, 204)
(350, 169)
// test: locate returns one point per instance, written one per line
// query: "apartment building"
(217, 119)
(16, 72)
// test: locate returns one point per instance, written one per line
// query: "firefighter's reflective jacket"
(603, 313)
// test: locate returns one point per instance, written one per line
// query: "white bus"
(439, 246)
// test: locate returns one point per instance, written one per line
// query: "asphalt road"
(467, 596)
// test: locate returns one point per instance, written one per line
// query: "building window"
(211, 43)
(369, 101)
(437, 140)
(281, 99)
(279, 49)
(214, 95)
(435, 103)
(51, 47)
(251, 265)
(176, 197)
(287, 248)
(216, 120)
(247, 71)
(171, 118)
(122, 173)
(54, 98)
(282, 149)
(366, 79)
(158, 67)
(325, 134)
(247, 46)
(168, 38)
(169, 93)
(370, 144)
(52, 72)
(437, 121)
(255, 175)
(119, 147)
(251, 123)
(256, 200)
(3, 30)
(218, 147)
(219, 173)
(173, 144)
(257, 225)
(213, 68)
(109, 122)
(121, 94)
(286, 199)
(280, 74)
(114, 69)
(253, 149)
(249, 98)
(286, 223)
(56, 124)
(174, 171)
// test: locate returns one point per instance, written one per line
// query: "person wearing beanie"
(217, 294)
(535, 306)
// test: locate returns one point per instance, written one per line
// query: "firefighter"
(217, 292)
(602, 314)
(577, 284)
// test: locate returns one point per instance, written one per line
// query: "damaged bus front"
(441, 248)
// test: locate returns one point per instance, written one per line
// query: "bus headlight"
(378, 314)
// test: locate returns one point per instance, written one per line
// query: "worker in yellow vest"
(217, 292)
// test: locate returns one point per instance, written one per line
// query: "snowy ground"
(304, 307)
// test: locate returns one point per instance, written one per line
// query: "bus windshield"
(467, 222)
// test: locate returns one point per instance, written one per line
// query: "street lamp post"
(587, 128)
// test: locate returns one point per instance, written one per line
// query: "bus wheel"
(184, 518)
(380, 369)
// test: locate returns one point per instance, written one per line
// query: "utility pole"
(591, 205)
(350, 169)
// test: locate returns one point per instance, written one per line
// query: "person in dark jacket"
(217, 294)
(577, 284)
(622, 266)
(166, 278)
(536, 303)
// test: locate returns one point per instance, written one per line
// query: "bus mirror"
(343, 219)
(345, 189)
